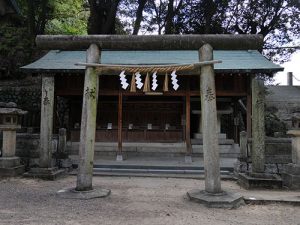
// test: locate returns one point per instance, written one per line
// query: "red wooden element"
(226, 85)
(162, 111)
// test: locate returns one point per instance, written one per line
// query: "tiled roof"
(232, 61)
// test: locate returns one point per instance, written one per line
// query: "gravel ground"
(132, 201)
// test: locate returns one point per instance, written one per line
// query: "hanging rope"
(149, 68)
(152, 69)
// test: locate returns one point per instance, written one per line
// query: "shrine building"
(162, 109)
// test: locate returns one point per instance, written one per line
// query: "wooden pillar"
(188, 123)
(120, 124)
(88, 122)
(258, 123)
(47, 104)
(209, 122)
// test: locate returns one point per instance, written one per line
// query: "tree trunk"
(139, 16)
(31, 17)
(102, 16)
(109, 26)
(42, 18)
(169, 18)
(208, 14)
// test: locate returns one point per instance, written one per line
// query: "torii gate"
(205, 44)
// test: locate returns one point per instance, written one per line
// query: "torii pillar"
(84, 187)
(212, 195)
(47, 169)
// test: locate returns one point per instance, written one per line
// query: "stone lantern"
(291, 171)
(9, 123)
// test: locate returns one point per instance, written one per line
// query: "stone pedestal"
(291, 174)
(259, 180)
(219, 200)
(71, 193)
(10, 166)
(9, 123)
(9, 143)
(51, 173)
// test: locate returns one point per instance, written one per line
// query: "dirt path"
(133, 201)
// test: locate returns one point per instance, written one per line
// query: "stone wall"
(27, 98)
(27, 148)
(278, 152)
(284, 102)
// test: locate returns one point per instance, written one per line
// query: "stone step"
(200, 136)
(158, 175)
(180, 168)
(151, 172)
(157, 171)
(183, 171)
(226, 149)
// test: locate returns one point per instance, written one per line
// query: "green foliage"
(55, 16)
(273, 123)
(26, 98)
(16, 50)
(17, 32)
(69, 17)
(277, 20)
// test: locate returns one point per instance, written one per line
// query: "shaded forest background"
(277, 20)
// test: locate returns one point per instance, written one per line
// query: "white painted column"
(88, 122)
(47, 104)
(209, 122)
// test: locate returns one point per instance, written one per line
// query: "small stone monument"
(257, 176)
(62, 155)
(291, 171)
(9, 123)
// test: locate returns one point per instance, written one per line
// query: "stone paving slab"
(264, 197)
